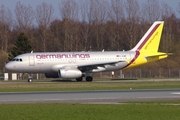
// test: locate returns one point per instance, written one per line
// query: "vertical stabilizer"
(150, 41)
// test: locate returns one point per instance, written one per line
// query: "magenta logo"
(59, 56)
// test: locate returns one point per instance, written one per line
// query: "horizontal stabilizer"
(158, 54)
(150, 57)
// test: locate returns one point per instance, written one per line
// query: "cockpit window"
(17, 59)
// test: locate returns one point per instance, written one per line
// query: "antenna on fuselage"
(32, 51)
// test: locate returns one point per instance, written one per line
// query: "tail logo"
(151, 41)
(147, 48)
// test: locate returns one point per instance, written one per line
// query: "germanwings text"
(59, 56)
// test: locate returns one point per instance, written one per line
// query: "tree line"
(91, 25)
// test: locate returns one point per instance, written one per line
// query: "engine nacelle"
(69, 73)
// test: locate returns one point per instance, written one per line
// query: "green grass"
(150, 110)
(57, 111)
(67, 86)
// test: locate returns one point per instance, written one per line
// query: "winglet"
(150, 41)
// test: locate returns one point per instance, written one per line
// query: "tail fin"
(150, 41)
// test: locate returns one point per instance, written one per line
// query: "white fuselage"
(52, 61)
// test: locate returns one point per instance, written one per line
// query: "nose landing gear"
(30, 80)
(30, 77)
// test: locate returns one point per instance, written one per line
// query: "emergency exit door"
(31, 60)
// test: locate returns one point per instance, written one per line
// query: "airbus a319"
(82, 64)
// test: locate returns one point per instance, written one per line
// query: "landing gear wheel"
(89, 79)
(30, 80)
(30, 77)
(79, 79)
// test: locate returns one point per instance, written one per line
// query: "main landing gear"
(88, 79)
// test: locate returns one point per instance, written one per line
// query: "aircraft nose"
(9, 66)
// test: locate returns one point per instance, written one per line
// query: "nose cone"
(9, 66)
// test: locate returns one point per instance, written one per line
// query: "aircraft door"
(31, 60)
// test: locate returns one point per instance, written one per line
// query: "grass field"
(154, 110)
(168, 110)
(65, 86)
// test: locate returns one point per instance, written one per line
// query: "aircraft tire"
(89, 79)
(30, 80)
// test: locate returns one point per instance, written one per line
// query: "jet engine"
(65, 73)
(69, 73)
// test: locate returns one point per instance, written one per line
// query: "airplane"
(82, 64)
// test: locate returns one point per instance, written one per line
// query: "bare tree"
(97, 12)
(117, 15)
(151, 11)
(170, 34)
(132, 10)
(56, 30)
(97, 16)
(69, 14)
(68, 10)
(178, 9)
(117, 11)
(133, 13)
(6, 21)
(167, 11)
(44, 16)
(85, 27)
(24, 16)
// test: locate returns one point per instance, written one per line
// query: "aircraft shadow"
(65, 81)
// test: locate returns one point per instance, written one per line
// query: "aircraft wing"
(88, 67)
(85, 67)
